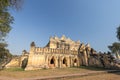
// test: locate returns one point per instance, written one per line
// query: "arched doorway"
(52, 62)
(75, 62)
(64, 62)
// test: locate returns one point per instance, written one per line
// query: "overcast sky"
(90, 21)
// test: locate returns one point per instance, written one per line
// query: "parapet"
(55, 51)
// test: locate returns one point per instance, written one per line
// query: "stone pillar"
(72, 62)
(46, 60)
(78, 62)
(56, 61)
(68, 62)
(70, 59)
(49, 61)
(60, 62)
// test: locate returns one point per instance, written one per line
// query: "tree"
(5, 17)
(115, 48)
(4, 53)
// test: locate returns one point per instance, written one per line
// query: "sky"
(90, 21)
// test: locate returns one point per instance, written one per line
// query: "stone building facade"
(58, 53)
(61, 53)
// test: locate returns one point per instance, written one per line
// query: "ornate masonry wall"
(58, 53)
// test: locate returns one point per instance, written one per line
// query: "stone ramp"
(64, 76)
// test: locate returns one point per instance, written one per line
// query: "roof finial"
(63, 37)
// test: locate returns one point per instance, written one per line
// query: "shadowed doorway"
(52, 62)
(64, 62)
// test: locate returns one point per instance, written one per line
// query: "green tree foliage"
(4, 53)
(6, 19)
(115, 48)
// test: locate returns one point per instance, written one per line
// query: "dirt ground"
(108, 76)
(10, 74)
(18, 73)
(104, 76)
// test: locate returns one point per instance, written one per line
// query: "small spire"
(63, 37)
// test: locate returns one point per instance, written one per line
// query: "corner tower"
(32, 47)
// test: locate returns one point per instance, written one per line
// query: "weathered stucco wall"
(51, 58)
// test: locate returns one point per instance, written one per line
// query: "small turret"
(32, 44)
(24, 52)
(32, 47)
